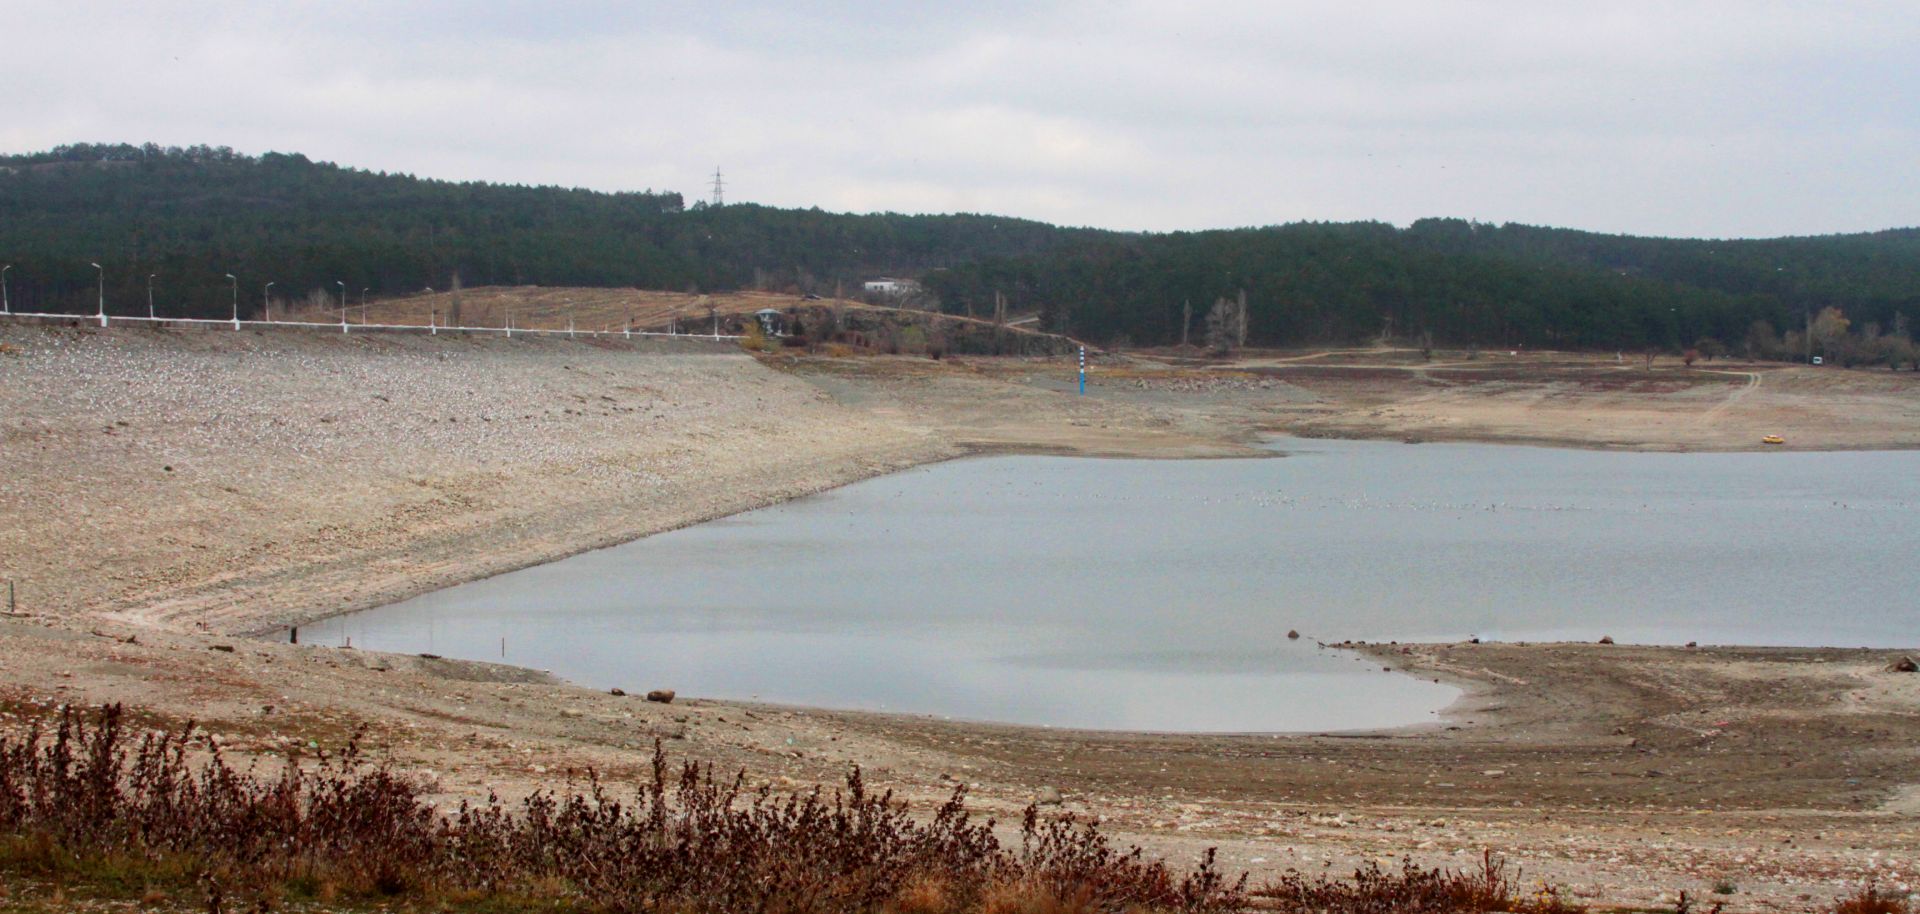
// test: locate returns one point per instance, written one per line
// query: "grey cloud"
(1707, 118)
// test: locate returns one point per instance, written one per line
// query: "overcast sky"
(1734, 118)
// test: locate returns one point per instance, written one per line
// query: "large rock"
(1905, 665)
(663, 696)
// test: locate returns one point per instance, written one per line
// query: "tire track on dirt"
(1720, 409)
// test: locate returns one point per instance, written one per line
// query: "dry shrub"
(754, 338)
(924, 893)
(88, 803)
(1870, 900)
(1412, 890)
(1035, 897)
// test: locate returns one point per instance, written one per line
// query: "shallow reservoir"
(1157, 595)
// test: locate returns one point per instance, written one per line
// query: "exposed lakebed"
(1157, 595)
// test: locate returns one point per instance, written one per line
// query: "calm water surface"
(1157, 595)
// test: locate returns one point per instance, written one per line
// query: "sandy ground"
(166, 492)
(1543, 398)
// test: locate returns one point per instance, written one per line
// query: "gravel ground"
(237, 481)
(162, 490)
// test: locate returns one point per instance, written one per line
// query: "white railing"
(344, 327)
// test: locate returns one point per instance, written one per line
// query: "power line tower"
(717, 185)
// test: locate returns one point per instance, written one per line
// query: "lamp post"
(266, 302)
(236, 300)
(103, 294)
(6, 306)
(343, 304)
(150, 277)
(363, 303)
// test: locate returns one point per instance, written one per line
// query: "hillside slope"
(1462, 282)
(195, 215)
(186, 219)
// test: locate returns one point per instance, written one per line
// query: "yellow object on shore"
(1773, 439)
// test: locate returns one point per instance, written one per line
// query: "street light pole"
(6, 306)
(343, 304)
(150, 277)
(103, 294)
(236, 300)
(266, 302)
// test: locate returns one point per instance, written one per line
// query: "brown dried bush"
(88, 803)
(1870, 900)
(1413, 890)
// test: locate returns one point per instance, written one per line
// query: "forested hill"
(194, 215)
(1463, 282)
(191, 216)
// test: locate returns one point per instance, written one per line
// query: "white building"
(887, 285)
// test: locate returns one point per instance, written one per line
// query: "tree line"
(190, 216)
(1460, 282)
(193, 215)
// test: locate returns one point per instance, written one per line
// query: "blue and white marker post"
(1083, 371)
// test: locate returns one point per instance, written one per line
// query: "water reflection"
(1157, 595)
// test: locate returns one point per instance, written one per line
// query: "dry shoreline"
(166, 489)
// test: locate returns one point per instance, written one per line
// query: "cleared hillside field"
(551, 308)
(859, 325)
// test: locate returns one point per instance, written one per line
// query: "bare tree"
(1222, 326)
(320, 301)
(1761, 342)
(1828, 330)
(1240, 330)
(453, 307)
(937, 344)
